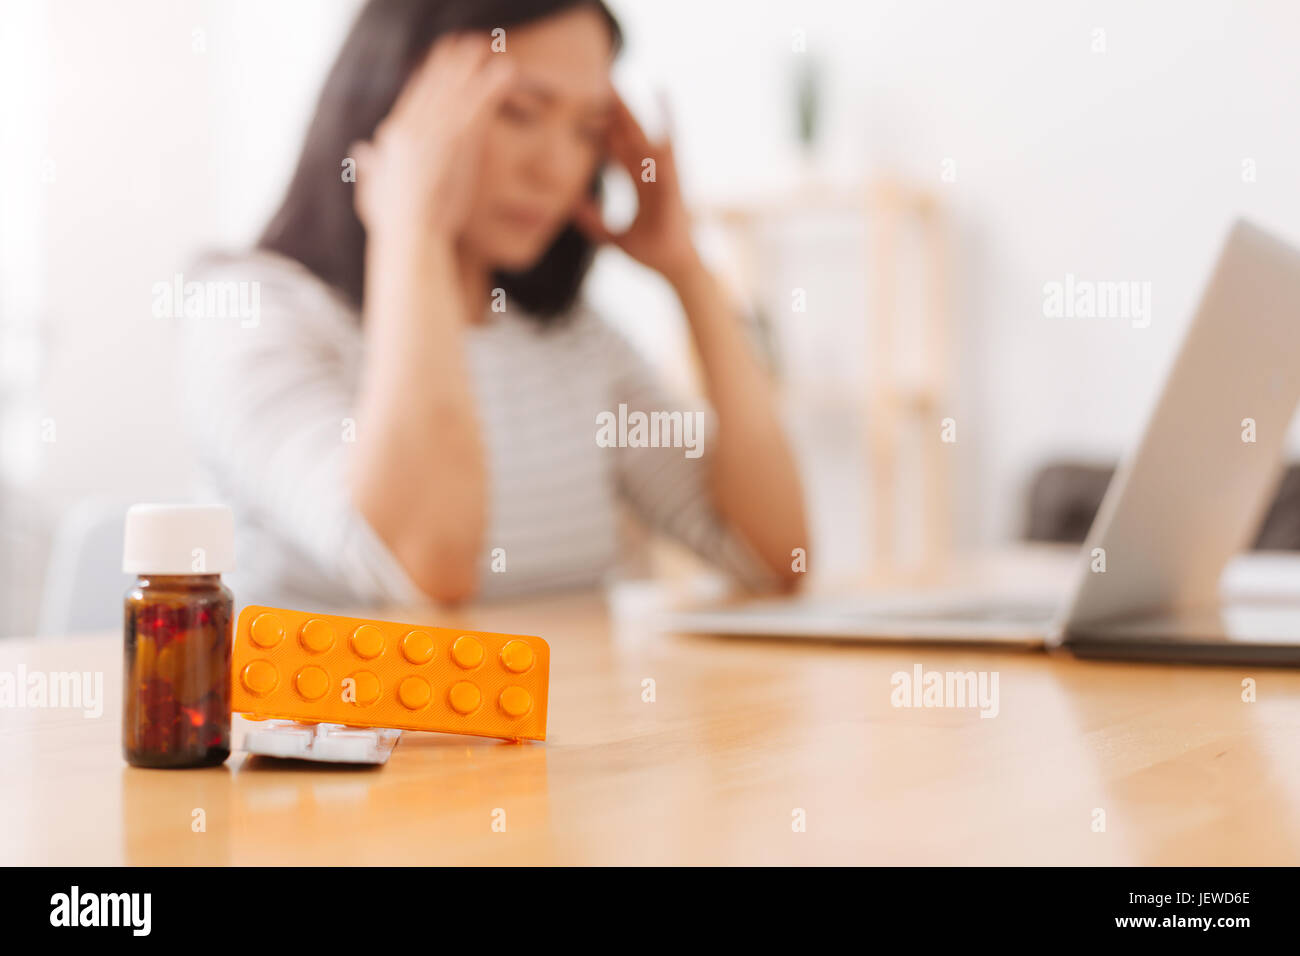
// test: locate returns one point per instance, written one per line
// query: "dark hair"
(316, 223)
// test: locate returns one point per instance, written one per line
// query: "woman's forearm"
(755, 483)
(418, 474)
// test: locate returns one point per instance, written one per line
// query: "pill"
(312, 682)
(317, 636)
(414, 692)
(516, 701)
(417, 647)
(464, 697)
(467, 652)
(365, 688)
(517, 656)
(367, 641)
(260, 677)
(266, 630)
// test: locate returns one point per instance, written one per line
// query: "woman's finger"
(488, 87)
(629, 144)
(361, 153)
(626, 123)
(666, 111)
(448, 66)
(422, 82)
(466, 56)
(467, 89)
(627, 150)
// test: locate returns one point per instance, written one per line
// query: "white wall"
(135, 134)
(171, 127)
(1124, 164)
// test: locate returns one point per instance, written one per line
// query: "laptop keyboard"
(992, 611)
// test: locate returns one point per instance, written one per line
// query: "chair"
(84, 584)
(1064, 498)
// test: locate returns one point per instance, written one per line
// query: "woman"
(413, 415)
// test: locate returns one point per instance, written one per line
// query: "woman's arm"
(418, 473)
(753, 480)
(753, 477)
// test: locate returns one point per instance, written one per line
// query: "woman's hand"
(753, 478)
(415, 177)
(660, 236)
(419, 474)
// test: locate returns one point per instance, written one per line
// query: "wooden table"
(740, 736)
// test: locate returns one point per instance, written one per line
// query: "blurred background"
(889, 185)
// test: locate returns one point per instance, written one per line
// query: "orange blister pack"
(302, 665)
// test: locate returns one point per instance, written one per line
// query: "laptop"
(1189, 498)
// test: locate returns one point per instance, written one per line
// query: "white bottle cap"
(179, 539)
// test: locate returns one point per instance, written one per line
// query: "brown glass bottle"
(176, 704)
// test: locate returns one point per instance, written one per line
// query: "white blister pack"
(326, 743)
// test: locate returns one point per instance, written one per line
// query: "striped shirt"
(271, 401)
